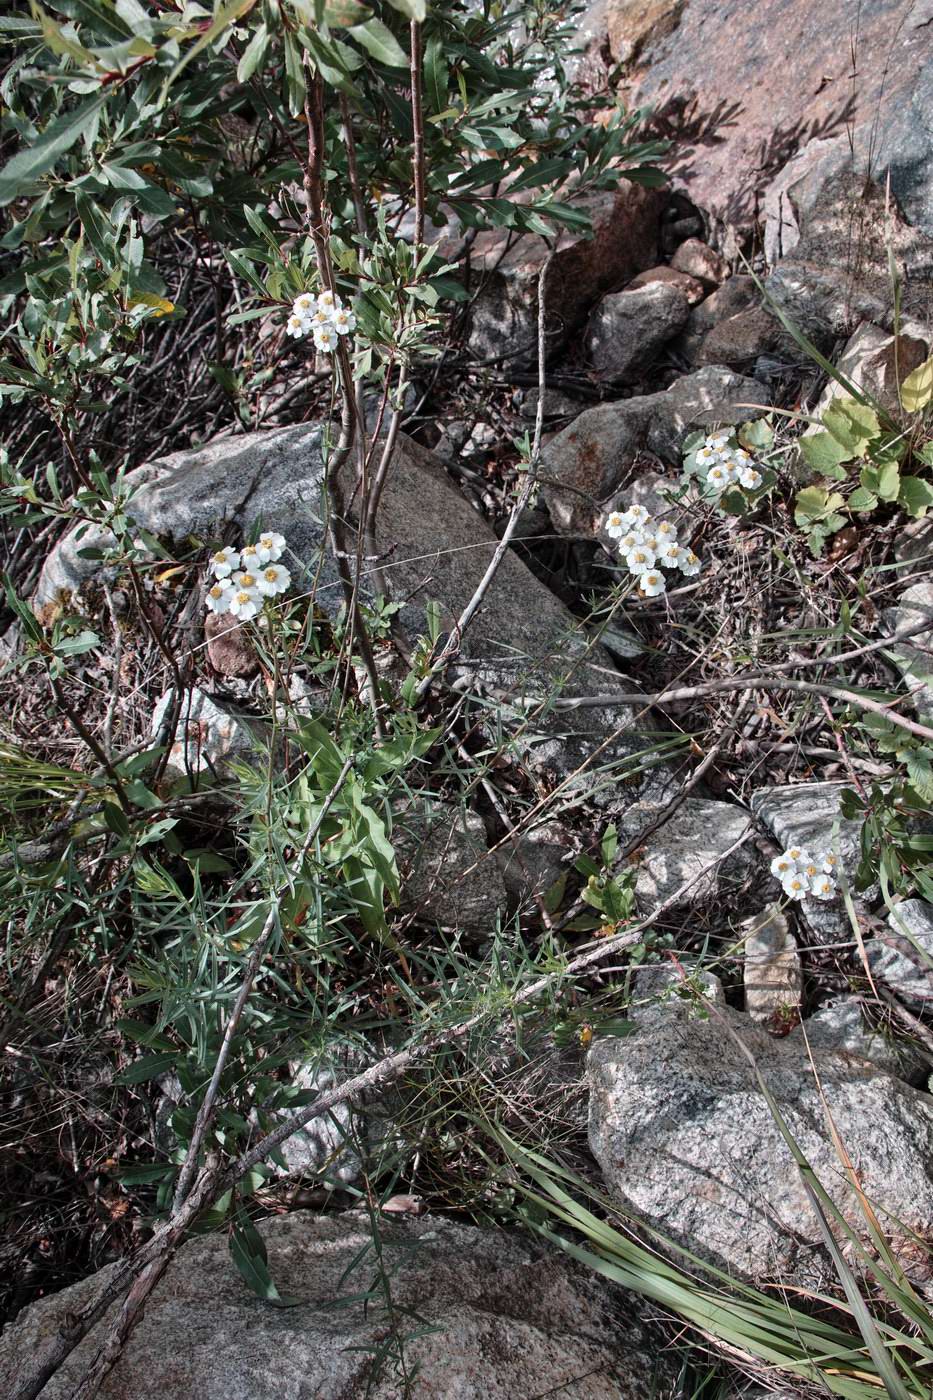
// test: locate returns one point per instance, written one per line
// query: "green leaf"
(915, 495)
(253, 54)
(756, 436)
(863, 499)
(59, 136)
(854, 425)
(149, 1067)
(889, 481)
(920, 773)
(822, 452)
(249, 1254)
(341, 14)
(435, 75)
(414, 9)
(380, 42)
(814, 503)
(917, 388)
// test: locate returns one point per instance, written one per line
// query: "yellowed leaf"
(160, 306)
(917, 388)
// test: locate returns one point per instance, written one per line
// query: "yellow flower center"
(272, 575)
(242, 597)
(217, 591)
(221, 557)
(247, 580)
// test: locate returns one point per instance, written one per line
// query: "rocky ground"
(795, 173)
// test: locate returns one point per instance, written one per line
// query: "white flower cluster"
(649, 546)
(244, 578)
(323, 317)
(801, 874)
(727, 464)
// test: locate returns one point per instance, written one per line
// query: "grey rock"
(913, 658)
(709, 398)
(806, 814)
(426, 530)
(207, 735)
(448, 877)
(662, 993)
(771, 971)
(737, 294)
(326, 1147)
(627, 330)
(838, 273)
(557, 404)
(903, 959)
(877, 363)
(588, 463)
(840, 1025)
(689, 847)
(504, 316)
(747, 340)
(535, 861)
(512, 1319)
(686, 1140)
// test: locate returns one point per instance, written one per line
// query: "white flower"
(614, 524)
(810, 870)
(296, 327)
(650, 541)
(795, 886)
(326, 302)
(828, 863)
(719, 441)
(749, 478)
(245, 602)
(224, 562)
(325, 338)
(636, 517)
(718, 477)
(218, 597)
(798, 856)
(707, 456)
(304, 306)
(823, 887)
(670, 554)
(270, 547)
(664, 530)
(344, 321)
(740, 458)
(689, 564)
(630, 541)
(640, 559)
(781, 867)
(274, 579)
(651, 582)
(250, 557)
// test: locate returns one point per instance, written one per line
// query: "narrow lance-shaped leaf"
(58, 138)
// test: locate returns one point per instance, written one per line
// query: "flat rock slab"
(627, 330)
(513, 1320)
(449, 879)
(903, 959)
(686, 1140)
(587, 464)
(742, 88)
(689, 848)
(806, 814)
